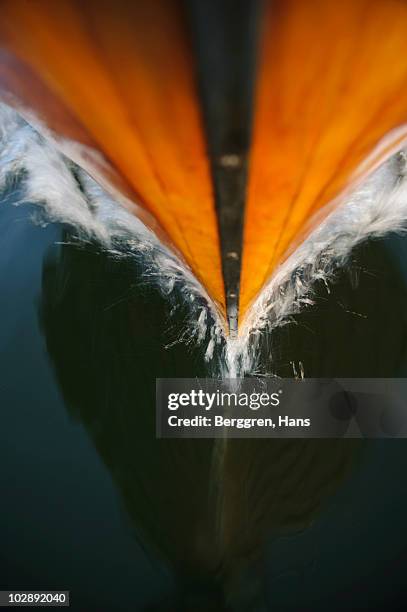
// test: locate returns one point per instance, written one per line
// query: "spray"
(68, 194)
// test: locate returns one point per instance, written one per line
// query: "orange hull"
(120, 76)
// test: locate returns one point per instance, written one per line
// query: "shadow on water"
(105, 331)
(357, 327)
(306, 531)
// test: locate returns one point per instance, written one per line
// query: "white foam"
(49, 181)
(376, 207)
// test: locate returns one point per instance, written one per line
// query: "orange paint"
(117, 74)
(332, 82)
(124, 72)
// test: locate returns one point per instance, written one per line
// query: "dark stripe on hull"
(225, 34)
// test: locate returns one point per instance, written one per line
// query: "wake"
(52, 177)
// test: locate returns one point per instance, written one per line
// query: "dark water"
(90, 501)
